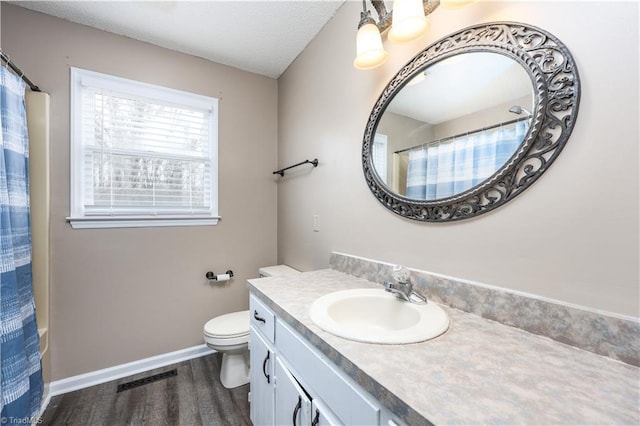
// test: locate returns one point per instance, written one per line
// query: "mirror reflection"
(453, 125)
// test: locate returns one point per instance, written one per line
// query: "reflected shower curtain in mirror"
(440, 170)
(21, 371)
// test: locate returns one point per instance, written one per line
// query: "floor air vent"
(147, 380)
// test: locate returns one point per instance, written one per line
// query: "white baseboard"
(118, 371)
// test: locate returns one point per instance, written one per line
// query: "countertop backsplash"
(606, 334)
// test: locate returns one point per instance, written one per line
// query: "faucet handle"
(401, 274)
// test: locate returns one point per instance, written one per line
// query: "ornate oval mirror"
(470, 122)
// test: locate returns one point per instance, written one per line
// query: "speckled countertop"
(478, 372)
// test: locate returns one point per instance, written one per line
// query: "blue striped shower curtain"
(21, 369)
(456, 165)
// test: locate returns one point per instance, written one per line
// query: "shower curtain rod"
(18, 71)
(482, 129)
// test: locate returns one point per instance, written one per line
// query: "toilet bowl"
(229, 335)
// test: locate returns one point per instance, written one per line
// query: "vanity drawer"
(262, 318)
(325, 381)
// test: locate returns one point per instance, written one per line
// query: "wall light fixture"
(407, 21)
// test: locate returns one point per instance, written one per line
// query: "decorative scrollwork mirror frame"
(556, 93)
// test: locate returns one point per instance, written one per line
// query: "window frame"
(79, 219)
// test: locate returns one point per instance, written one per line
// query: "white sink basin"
(376, 316)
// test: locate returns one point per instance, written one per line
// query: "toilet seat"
(227, 330)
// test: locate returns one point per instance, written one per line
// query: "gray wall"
(572, 236)
(119, 295)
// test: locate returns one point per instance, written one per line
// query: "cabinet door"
(321, 415)
(293, 405)
(261, 376)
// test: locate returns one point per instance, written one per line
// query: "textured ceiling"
(258, 36)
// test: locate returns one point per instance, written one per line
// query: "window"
(379, 155)
(141, 155)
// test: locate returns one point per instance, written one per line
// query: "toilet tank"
(276, 270)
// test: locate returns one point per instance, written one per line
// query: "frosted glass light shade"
(369, 50)
(456, 4)
(408, 20)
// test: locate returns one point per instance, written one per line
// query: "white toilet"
(229, 335)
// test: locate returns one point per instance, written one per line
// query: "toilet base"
(235, 369)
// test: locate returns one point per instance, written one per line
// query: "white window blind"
(141, 152)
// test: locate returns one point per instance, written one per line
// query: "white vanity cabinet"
(294, 383)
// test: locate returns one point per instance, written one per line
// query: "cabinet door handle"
(257, 317)
(316, 418)
(264, 367)
(295, 410)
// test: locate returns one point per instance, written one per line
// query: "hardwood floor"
(193, 397)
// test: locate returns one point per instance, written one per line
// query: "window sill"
(138, 222)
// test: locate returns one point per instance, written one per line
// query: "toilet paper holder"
(217, 277)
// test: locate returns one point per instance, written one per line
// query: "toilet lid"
(228, 325)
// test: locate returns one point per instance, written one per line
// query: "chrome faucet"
(402, 288)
